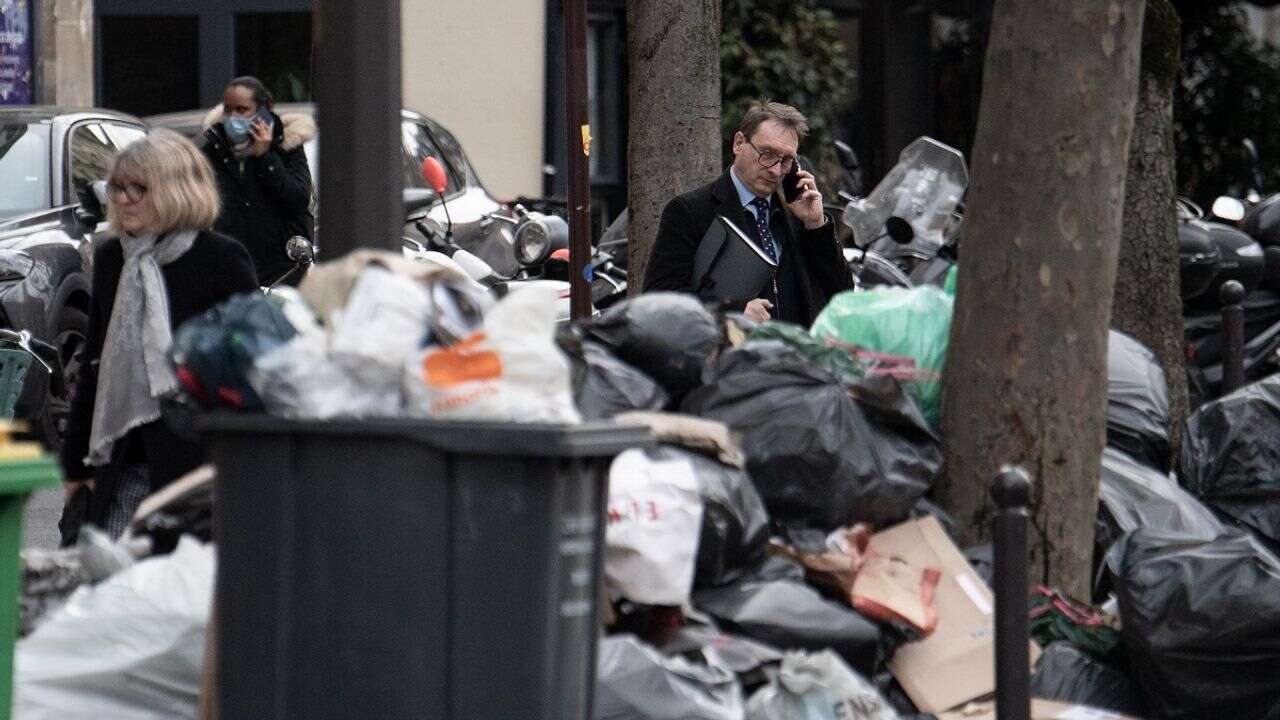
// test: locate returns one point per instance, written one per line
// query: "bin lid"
(591, 439)
(28, 474)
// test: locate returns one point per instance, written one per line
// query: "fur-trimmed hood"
(295, 128)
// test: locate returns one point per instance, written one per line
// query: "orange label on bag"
(461, 363)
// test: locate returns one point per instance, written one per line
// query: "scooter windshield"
(924, 188)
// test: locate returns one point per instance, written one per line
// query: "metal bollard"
(1011, 491)
(1231, 294)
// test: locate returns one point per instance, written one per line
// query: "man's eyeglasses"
(769, 159)
(132, 191)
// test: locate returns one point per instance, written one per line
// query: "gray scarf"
(134, 371)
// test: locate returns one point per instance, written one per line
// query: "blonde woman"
(164, 267)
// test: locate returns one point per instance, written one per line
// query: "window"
(418, 146)
(276, 49)
(453, 152)
(24, 168)
(150, 63)
(122, 136)
(90, 154)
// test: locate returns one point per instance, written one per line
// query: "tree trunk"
(674, 145)
(1148, 302)
(1026, 369)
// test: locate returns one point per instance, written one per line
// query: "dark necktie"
(762, 224)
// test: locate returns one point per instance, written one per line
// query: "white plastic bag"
(818, 686)
(131, 648)
(302, 379)
(655, 520)
(636, 682)
(385, 318)
(510, 370)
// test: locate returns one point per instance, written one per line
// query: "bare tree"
(1026, 368)
(1148, 301)
(673, 49)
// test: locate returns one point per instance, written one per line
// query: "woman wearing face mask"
(262, 175)
(164, 267)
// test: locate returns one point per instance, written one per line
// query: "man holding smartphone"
(791, 228)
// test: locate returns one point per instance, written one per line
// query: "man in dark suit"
(799, 235)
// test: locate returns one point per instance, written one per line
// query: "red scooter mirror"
(433, 173)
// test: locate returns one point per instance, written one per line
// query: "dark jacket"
(267, 199)
(215, 268)
(812, 268)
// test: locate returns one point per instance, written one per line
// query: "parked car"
(49, 158)
(470, 203)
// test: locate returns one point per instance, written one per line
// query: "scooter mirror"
(1228, 208)
(899, 230)
(433, 172)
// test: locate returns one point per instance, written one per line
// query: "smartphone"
(791, 183)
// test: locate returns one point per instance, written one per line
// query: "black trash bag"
(1137, 402)
(636, 682)
(790, 615)
(1230, 455)
(1068, 674)
(1201, 623)
(821, 454)
(668, 336)
(735, 525)
(213, 353)
(1133, 495)
(604, 386)
(925, 507)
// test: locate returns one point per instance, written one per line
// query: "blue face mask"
(237, 128)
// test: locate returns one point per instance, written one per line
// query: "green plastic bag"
(838, 361)
(902, 332)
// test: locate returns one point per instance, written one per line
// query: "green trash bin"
(18, 479)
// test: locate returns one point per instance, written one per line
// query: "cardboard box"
(1040, 710)
(955, 664)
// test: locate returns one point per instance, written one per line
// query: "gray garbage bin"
(409, 569)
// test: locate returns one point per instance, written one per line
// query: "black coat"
(215, 268)
(267, 199)
(812, 268)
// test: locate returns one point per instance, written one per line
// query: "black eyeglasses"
(132, 191)
(769, 159)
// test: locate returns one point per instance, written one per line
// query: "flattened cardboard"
(1040, 710)
(956, 663)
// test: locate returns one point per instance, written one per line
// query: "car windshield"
(416, 145)
(24, 168)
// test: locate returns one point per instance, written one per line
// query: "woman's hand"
(260, 132)
(71, 487)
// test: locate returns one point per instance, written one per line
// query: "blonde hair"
(178, 179)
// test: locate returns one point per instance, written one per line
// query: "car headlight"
(15, 264)
(538, 235)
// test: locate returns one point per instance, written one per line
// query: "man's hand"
(758, 310)
(70, 487)
(261, 134)
(808, 207)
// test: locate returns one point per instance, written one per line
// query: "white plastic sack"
(302, 379)
(818, 686)
(655, 520)
(511, 370)
(130, 648)
(384, 319)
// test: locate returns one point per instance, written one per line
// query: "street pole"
(1011, 491)
(578, 150)
(1231, 294)
(357, 81)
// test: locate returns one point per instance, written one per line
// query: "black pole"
(578, 149)
(1231, 295)
(357, 79)
(1011, 491)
